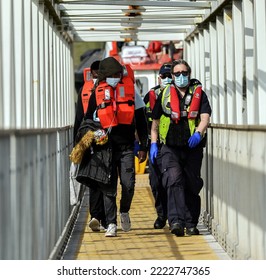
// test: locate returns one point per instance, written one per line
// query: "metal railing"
(234, 195)
(34, 182)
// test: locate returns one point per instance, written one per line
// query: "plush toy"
(100, 138)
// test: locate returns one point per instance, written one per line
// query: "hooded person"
(119, 109)
(86, 163)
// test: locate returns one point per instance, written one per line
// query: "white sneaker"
(125, 222)
(94, 224)
(103, 228)
(111, 230)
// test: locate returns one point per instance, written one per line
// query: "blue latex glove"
(153, 152)
(194, 140)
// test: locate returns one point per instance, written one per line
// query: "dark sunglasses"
(184, 73)
(166, 75)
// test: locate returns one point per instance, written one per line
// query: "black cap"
(95, 65)
(166, 68)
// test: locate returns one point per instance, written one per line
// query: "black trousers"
(181, 177)
(123, 167)
(158, 191)
(97, 204)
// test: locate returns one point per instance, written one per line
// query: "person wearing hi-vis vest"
(180, 119)
(155, 175)
(119, 110)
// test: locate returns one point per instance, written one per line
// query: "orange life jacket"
(194, 106)
(86, 94)
(130, 72)
(87, 74)
(116, 106)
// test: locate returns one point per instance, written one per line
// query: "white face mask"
(165, 82)
(112, 81)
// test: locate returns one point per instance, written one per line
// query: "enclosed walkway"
(224, 42)
(143, 242)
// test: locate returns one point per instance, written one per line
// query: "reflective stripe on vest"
(86, 94)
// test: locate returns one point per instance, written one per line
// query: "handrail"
(5, 132)
(239, 127)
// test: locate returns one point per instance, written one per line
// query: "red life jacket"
(116, 106)
(194, 104)
(155, 46)
(86, 94)
(152, 98)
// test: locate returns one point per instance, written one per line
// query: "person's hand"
(153, 152)
(142, 156)
(194, 140)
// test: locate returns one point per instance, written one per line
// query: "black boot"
(177, 229)
(192, 231)
(159, 223)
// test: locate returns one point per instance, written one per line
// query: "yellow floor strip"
(143, 242)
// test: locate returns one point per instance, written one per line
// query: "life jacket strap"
(129, 102)
(103, 105)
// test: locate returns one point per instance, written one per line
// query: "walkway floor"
(143, 242)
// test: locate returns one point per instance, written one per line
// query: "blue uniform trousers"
(158, 191)
(181, 168)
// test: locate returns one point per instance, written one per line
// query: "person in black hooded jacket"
(121, 140)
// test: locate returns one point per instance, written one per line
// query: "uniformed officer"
(180, 119)
(158, 191)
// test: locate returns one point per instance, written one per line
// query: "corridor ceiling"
(122, 20)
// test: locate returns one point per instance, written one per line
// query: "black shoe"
(159, 223)
(192, 231)
(177, 229)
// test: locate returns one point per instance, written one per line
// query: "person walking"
(96, 205)
(120, 111)
(158, 191)
(180, 119)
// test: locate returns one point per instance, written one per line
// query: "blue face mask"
(112, 81)
(181, 81)
(165, 82)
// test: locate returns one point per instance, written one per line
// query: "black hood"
(108, 67)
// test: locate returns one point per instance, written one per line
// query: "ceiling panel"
(122, 20)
